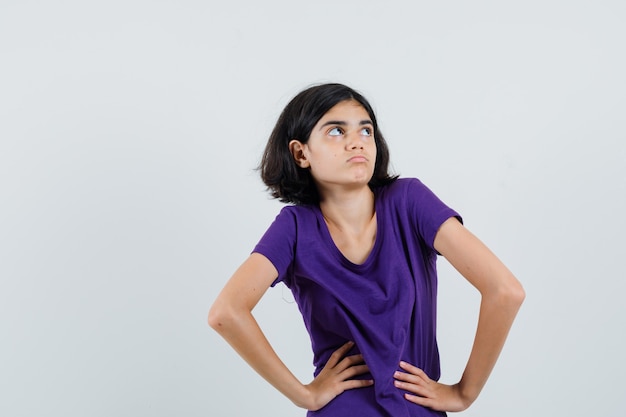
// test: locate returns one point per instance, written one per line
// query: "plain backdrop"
(129, 136)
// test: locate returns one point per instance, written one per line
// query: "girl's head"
(285, 179)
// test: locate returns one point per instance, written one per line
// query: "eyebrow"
(343, 123)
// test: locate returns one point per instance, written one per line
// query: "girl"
(357, 248)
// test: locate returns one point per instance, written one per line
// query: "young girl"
(357, 248)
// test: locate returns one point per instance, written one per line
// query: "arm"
(231, 316)
(501, 297)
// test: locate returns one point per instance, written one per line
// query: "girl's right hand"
(335, 377)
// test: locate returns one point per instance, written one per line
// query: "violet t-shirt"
(386, 305)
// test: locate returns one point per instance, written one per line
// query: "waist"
(373, 402)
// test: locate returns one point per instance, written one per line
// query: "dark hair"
(284, 178)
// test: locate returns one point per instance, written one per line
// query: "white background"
(129, 134)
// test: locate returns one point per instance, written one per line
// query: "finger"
(414, 370)
(357, 383)
(416, 389)
(354, 371)
(336, 356)
(417, 399)
(358, 358)
(352, 360)
(403, 376)
(348, 362)
(410, 368)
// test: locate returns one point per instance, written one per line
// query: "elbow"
(518, 292)
(218, 317)
(214, 318)
(507, 294)
(224, 317)
(514, 293)
(521, 295)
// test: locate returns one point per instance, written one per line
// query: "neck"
(349, 209)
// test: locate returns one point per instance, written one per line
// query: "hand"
(335, 377)
(429, 393)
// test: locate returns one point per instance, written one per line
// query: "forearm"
(497, 312)
(502, 295)
(243, 333)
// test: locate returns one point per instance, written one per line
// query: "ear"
(297, 151)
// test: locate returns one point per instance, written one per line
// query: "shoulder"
(279, 239)
(410, 194)
(293, 217)
(402, 189)
(297, 212)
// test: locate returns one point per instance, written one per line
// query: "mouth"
(358, 158)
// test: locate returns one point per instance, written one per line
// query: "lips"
(358, 158)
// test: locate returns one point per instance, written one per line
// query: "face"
(341, 150)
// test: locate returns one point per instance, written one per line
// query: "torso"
(377, 288)
(354, 247)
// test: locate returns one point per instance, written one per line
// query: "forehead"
(347, 109)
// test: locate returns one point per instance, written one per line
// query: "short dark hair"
(284, 178)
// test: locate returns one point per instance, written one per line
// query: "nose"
(355, 141)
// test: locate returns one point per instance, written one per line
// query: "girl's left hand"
(427, 392)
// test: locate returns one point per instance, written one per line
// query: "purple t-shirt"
(386, 305)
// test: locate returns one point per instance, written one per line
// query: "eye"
(335, 131)
(366, 131)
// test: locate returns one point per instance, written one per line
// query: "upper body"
(327, 151)
(386, 304)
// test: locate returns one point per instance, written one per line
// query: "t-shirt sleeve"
(278, 243)
(428, 211)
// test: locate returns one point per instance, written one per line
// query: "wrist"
(466, 393)
(302, 397)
